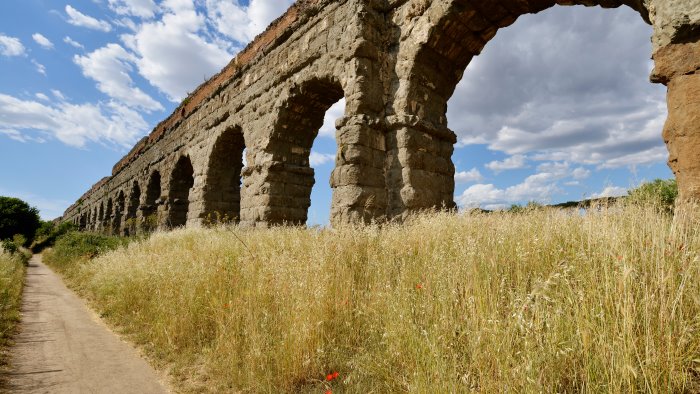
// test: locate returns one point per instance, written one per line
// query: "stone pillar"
(358, 180)
(275, 193)
(678, 67)
(420, 172)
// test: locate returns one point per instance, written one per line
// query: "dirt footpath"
(64, 348)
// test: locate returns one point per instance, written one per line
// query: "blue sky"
(557, 108)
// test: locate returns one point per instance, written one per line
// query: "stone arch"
(300, 117)
(149, 210)
(460, 31)
(181, 183)
(132, 208)
(222, 193)
(431, 64)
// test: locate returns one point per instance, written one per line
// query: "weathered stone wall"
(397, 63)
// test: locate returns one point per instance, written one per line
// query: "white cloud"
(580, 173)
(243, 23)
(318, 159)
(138, 8)
(73, 43)
(511, 163)
(611, 191)
(43, 41)
(160, 47)
(336, 111)
(42, 96)
(110, 67)
(11, 46)
(39, 67)
(74, 125)
(57, 93)
(127, 23)
(539, 187)
(470, 176)
(76, 18)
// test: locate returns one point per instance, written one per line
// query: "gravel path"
(63, 347)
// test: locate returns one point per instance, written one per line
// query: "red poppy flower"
(335, 375)
(329, 377)
(419, 286)
(329, 392)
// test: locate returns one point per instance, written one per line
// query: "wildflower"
(332, 376)
(329, 392)
(619, 258)
(227, 306)
(419, 286)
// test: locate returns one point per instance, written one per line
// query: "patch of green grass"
(74, 248)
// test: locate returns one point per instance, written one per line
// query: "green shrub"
(17, 217)
(45, 228)
(80, 246)
(19, 240)
(8, 246)
(531, 206)
(48, 233)
(661, 193)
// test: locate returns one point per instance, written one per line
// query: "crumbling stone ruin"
(396, 62)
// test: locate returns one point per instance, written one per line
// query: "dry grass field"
(539, 301)
(11, 281)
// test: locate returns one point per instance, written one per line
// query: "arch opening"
(222, 196)
(323, 161)
(297, 129)
(181, 182)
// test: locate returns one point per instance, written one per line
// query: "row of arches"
(394, 151)
(213, 190)
(165, 202)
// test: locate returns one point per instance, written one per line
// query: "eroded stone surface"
(397, 63)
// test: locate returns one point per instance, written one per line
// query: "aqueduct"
(396, 62)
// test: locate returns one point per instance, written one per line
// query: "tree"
(17, 217)
(660, 192)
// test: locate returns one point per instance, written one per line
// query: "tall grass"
(12, 271)
(541, 301)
